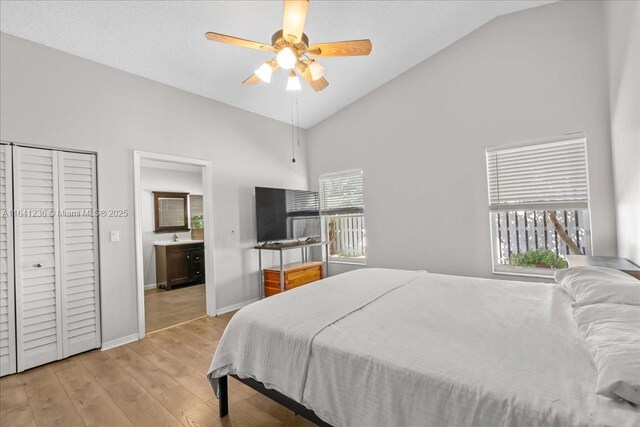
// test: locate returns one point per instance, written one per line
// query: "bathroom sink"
(179, 242)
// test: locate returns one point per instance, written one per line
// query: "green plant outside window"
(543, 258)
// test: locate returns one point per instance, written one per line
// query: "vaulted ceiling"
(164, 41)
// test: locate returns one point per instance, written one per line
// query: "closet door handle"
(38, 265)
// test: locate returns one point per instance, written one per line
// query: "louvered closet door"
(7, 301)
(37, 262)
(79, 253)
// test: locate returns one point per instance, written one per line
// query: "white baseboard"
(151, 286)
(234, 307)
(118, 342)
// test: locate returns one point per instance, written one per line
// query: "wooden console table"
(281, 247)
(618, 263)
(296, 274)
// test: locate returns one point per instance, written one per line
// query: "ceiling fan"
(292, 50)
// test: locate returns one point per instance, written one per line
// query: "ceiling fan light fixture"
(286, 58)
(317, 71)
(291, 48)
(293, 83)
(264, 72)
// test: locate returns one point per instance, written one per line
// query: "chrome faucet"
(175, 238)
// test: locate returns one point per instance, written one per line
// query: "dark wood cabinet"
(196, 265)
(179, 264)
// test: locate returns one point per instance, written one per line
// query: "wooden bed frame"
(297, 408)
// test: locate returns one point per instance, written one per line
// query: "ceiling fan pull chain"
(293, 139)
(297, 120)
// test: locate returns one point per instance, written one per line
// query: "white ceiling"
(164, 41)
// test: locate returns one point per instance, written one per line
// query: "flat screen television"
(287, 214)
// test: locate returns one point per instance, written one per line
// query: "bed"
(381, 347)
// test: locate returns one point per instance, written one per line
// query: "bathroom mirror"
(170, 212)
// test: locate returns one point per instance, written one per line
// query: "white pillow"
(612, 332)
(591, 285)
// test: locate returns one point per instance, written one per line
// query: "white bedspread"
(419, 349)
(271, 340)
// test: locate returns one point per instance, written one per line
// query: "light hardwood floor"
(158, 381)
(168, 308)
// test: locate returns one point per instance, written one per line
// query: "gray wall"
(421, 137)
(51, 98)
(623, 35)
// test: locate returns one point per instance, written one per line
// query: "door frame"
(12, 331)
(207, 196)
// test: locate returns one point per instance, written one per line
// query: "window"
(342, 211)
(538, 204)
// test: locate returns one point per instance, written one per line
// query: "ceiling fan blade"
(295, 14)
(317, 85)
(238, 42)
(347, 48)
(253, 79)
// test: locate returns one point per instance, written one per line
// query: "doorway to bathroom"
(171, 240)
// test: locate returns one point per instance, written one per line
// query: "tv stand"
(285, 246)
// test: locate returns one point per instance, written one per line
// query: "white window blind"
(302, 201)
(342, 193)
(540, 175)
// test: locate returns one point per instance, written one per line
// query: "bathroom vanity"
(179, 263)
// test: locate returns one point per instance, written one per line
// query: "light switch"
(115, 236)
